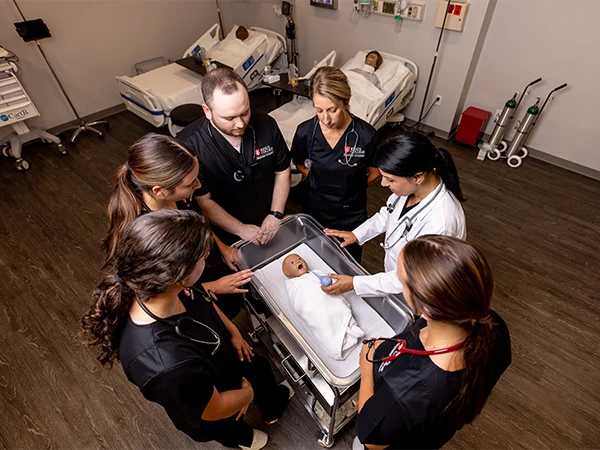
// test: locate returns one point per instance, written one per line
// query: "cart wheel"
(494, 155)
(514, 161)
(101, 137)
(21, 164)
(72, 143)
(502, 146)
(325, 442)
(63, 151)
(524, 153)
(6, 151)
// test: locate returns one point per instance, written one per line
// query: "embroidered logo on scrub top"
(357, 152)
(263, 152)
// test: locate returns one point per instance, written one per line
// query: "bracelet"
(276, 214)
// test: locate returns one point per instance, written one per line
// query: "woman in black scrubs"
(335, 152)
(162, 173)
(173, 342)
(414, 401)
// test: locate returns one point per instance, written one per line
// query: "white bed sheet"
(172, 84)
(371, 323)
(231, 51)
(364, 93)
(292, 114)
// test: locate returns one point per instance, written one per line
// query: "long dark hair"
(154, 252)
(405, 155)
(154, 160)
(453, 281)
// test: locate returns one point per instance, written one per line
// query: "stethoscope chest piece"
(307, 163)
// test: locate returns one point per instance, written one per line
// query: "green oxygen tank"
(523, 129)
(503, 121)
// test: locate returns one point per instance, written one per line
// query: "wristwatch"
(277, 214)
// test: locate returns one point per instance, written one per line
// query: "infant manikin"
(328, 316)
(373, 61)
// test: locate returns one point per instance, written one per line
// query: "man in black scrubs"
(244, 161)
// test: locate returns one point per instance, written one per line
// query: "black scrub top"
(411, 394)
(337, 193)
(265, 153)
(180, 374)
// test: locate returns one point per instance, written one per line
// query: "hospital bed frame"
(331, 401)
(144, 104)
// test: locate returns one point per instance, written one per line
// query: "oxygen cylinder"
(503, 121)
(523, 131)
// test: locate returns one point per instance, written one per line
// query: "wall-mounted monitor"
(329, 4)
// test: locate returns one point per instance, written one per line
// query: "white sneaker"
(258, 441)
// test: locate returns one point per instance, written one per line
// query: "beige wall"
(92, 41)
(528, 39)
(320, 31)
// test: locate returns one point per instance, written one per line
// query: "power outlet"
(414, 11)
(438, 100)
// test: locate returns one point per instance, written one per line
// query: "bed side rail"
(208, 40)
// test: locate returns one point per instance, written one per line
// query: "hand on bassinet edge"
(341, 284)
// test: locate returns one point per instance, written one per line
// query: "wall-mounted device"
(329, 4)
(411, 10)
(286, 8)
(457, 15)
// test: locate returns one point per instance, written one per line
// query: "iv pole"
(82, 126)
(435, 55)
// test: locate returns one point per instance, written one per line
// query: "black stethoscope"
(238, 175)
(401, 349)
(185, 322)
(348, 151)
(409, 221)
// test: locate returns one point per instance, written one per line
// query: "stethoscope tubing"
(348, 151)
(409, 221)
(238, 175)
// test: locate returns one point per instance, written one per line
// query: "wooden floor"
(539, 226)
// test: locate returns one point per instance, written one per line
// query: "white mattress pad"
(273, 280)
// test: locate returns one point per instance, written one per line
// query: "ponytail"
(104, 322)
(446, 170)
(124, 206)
(478, 378)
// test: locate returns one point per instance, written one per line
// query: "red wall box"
(472, 124)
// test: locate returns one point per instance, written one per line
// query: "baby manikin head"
(293, 266)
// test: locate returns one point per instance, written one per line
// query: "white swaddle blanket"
(329, 317)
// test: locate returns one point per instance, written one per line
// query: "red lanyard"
(401, 348)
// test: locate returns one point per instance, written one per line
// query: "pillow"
(388, 73)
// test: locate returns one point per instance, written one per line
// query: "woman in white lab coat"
(425, 199)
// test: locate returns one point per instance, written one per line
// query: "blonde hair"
(332, 83)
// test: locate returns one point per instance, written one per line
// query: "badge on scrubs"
(307, 163)
(257, 152)
(347, 149)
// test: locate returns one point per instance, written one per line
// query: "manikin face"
(229, 114)
(293, 266)
(372, 60)
(329, 113)
(401, 186)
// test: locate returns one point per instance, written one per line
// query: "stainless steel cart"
(331, 400)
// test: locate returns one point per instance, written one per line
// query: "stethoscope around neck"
(348, 151)
(186, 321)
(407, 220)
(238, 174)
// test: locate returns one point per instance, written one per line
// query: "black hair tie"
(119, 280)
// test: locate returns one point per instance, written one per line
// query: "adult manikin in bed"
(328, 316)
(373, 61)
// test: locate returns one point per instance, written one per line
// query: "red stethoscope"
(401, 349)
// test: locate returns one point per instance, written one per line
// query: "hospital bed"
(327, 388)
(398, 77)
(154, 94)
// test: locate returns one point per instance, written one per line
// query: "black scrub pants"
(270, 398)
(216, 268)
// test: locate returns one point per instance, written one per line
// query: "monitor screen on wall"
(329, 4)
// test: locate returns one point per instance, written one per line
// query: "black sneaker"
(284, 395)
